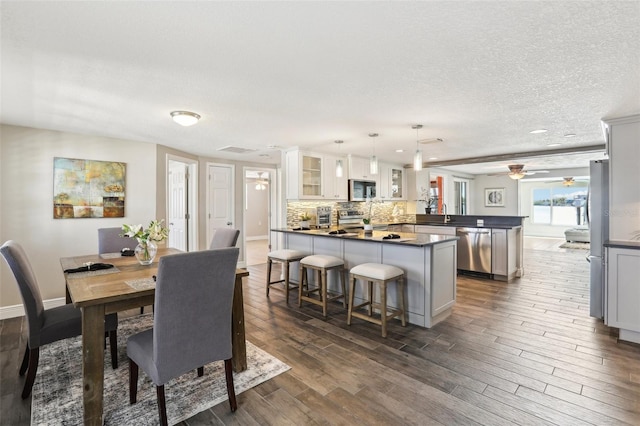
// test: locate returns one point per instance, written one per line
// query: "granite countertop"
(408, 239)
(632, 245)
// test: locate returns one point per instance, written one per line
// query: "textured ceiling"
(269, 75)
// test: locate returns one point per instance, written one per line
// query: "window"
(560, 205)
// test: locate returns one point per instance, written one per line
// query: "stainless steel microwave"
(361, 190)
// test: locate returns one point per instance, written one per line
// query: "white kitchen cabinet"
(392, 182)
(623, 290)
(334, 187)
(359, 169)
(503, 254)
(623, 142)
(312, 176)
(431, 229)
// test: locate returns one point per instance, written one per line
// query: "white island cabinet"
(428, 261)
(623, 289)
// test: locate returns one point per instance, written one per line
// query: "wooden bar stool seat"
(321, 264)
(285, 257)
(381, 275)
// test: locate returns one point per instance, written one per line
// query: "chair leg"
(25, 361)
(343, 279)
(200, 371)
(269, 265)
(34, 355)
(303, 280)
(231, 391)
(286, 280)
(383, 307)
(133, 382)
(323, 291)
(162, 407)
(113, 345)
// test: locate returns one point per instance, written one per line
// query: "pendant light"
(339, 168)
(373, 161)
(417, 158)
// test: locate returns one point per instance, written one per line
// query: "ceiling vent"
(428, 141)
(235, 149)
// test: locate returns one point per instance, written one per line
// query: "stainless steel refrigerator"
(598, 219)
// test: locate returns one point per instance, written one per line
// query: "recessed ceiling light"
(535, 132)
(399, 150)
(554, 144)
(185, 118)
(433, 158)
(569, 135)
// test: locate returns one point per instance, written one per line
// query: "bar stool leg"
(383, 306)
(323, 291)
(403, 297)
(343, 276)
(286, 280)
(352, 290)
(302, 284)
(370, 289)
(269, 262)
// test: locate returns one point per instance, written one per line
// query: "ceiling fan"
(261, 183)
(516, 171)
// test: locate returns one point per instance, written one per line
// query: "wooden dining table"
(110, 290)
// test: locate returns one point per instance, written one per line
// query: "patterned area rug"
(574, 245)
(57, 392)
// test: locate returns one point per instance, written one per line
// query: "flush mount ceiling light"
(570, 135)
(373, 161)
(339, 168)
(185, 118)
(417, 157)
(537, 131)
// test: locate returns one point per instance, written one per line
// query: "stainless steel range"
(350, 218)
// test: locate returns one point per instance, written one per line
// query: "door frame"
(192, 197)
(273, 204)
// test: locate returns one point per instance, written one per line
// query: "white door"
(177, 209)
(220, 198)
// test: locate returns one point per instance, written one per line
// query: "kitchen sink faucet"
(447, 219)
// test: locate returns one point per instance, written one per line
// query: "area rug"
(574, 245)
(57, 392)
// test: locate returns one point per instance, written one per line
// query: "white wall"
(511, 201)
(256, 212)
(26, 200)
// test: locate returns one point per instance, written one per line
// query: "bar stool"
(284, 257)
(321, 264)
(381, 275)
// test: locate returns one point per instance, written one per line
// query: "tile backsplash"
(381, 211)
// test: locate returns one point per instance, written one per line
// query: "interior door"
(177, 209)
(220, 198)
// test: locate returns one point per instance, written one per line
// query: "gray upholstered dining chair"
(191, 323)
(224, 237)
(110, 241)
(46, 325)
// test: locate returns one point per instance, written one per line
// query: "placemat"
(141, 283)
(110, 255)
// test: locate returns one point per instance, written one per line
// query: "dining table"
(126, 285)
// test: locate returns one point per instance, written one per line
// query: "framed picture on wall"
(494, 197)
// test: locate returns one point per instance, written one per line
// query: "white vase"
(368, 227)
(304, 224)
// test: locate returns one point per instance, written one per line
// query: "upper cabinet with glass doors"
(312, 176)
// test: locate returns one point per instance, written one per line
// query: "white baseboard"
(259, 237)
(18, 310)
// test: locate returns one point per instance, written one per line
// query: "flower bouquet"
(147, 237)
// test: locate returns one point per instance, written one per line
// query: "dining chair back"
(45, 325)
(191, 324)
(224, 237)
(110, 241)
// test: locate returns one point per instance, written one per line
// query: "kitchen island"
(428, 261)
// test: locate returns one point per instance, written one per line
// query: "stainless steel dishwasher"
(474, 249)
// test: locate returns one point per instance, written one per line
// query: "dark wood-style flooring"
(525, 353)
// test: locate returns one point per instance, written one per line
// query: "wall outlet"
(480, 222)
